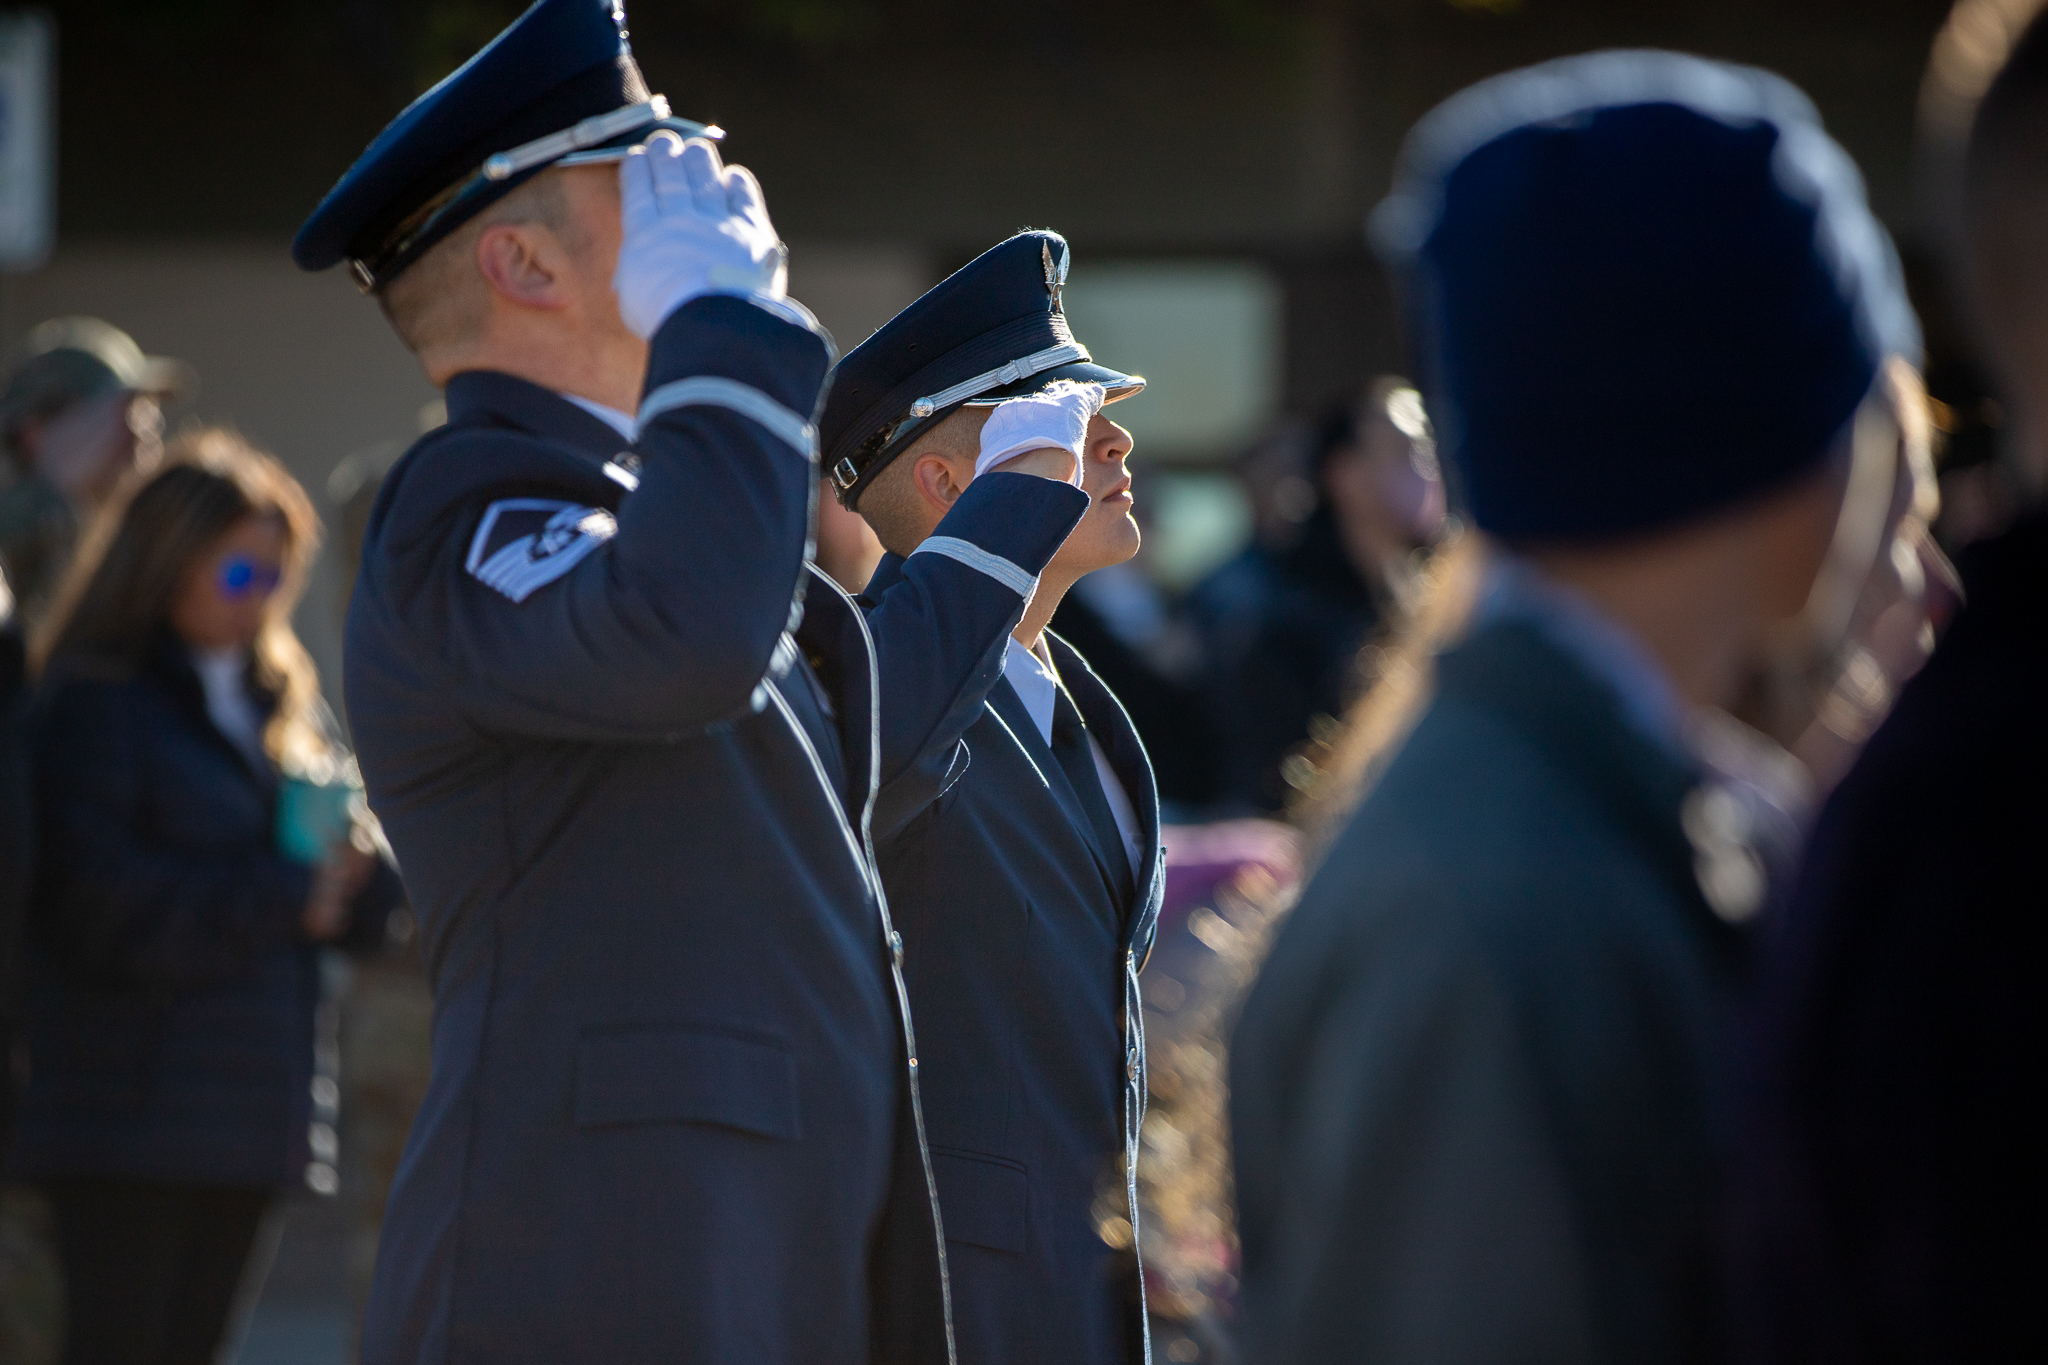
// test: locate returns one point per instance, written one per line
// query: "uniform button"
(896, 946)
(1131, 1068)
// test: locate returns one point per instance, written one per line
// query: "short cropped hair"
(891, 504)
(439, 300)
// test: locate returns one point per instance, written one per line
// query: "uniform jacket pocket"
(687, 1075)
(984, 1201)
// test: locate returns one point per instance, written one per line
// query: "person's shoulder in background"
(1899, 1018)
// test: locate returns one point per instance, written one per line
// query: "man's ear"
(523, 263)
(938, 482)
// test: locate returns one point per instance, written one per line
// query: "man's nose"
(1109, 441)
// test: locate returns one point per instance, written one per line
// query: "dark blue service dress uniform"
(623, 741)
(1025, 930)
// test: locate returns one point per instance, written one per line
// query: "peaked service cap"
(557, 87)
(993, 329)
(1640, 287)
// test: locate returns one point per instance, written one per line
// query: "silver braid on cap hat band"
(848, 471)
(1021, 368)
(571, 146)
(588, 133)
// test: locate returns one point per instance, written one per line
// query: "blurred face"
(226, 593)
(1385, 490)
(1108, 534)
(87, 449)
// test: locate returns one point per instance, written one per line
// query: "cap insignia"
(1055, 277)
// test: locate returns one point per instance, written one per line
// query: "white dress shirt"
(621, 422)
(224, 676)
(1036, 681)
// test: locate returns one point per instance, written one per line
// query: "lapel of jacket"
(1512, 669)
(487, 396)
(832, 640)
(1112, 728)
(1009, 708)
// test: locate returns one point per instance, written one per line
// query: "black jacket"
(1894, 1204)
(171, 990)
(15, 846)
(626, 746)
(1476, 1092)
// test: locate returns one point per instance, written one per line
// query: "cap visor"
(1119, 384)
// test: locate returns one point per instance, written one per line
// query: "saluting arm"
(941, 629)
(664, 618)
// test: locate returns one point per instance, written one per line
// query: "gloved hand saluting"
(693, 226)
(1055, 418)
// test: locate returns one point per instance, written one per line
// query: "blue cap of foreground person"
(1642, 288)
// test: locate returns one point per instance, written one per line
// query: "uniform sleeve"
(942, 627)
(119, 908)
(1401, 1199)
(564, 621)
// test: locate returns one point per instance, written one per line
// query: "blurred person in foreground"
(624, 738)
(1897, 1208)
(1286, 655)
(82, 408)
(1026, 873)
(1477, 1092)
(175, 970)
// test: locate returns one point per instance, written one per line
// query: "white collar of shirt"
(223, 677)
(1036, 682)
(620, 422)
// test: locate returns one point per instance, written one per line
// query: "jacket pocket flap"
(984, 1202)
(681, 1075)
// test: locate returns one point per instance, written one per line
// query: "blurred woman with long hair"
(174, 974)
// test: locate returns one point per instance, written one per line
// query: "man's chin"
(1120, 541)
(1099, 542)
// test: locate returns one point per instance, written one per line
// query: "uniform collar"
(621, 422)
(492, 398)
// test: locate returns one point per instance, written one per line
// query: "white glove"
(1056, 417)
(693, 226)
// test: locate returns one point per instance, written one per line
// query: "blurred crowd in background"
(210, 1031)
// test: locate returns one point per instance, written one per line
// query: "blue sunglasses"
(240, 576)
